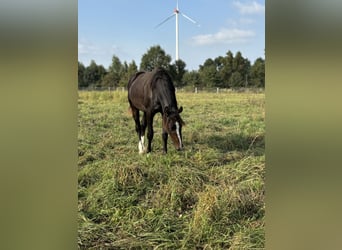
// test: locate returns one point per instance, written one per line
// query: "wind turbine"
(176, 12)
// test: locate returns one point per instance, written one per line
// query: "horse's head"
(172, 124)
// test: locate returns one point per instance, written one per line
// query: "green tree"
(94, 74)
(155, 57)
(115, 73)
(227, 70)
(192, 78)
(81, 72)
(208, 74)
(123, 75)
(242, 66)
(116, 69)
(132, 69)
(236, 80)
(257, 73)
(177, 71)
(220, 64)
(129, 70)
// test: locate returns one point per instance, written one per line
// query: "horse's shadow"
(237, 142)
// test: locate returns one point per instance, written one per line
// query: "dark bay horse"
(152, 93)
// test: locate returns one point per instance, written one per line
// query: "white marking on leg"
(141, 145)
(178, 135)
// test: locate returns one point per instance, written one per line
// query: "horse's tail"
(129, 111)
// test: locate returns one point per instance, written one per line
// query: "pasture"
(209, 196)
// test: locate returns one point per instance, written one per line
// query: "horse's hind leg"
(149, 120)
(135, 113)
(143, 129)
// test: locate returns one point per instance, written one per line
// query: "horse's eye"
(173, 127)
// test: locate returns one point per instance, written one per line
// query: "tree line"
(229, 71)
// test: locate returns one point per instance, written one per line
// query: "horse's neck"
(165, 94)
(168, 100)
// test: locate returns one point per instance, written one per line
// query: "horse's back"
(148, 77)
(144, 85)
(134, 78)
(138, 90)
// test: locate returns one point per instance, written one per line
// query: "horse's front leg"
(142, 132)
(138, 129)
(165, 135)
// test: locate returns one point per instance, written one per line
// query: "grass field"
(209, 196)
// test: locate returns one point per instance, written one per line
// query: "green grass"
(209, 196)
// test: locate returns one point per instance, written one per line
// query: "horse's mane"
(161, 74)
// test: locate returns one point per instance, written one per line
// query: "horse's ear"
(180, 110)
(166, 111)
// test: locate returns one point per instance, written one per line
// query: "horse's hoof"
(143, 151)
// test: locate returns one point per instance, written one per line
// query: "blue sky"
(126, 28)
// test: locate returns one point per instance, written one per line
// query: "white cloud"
(224, 36)
(240, 22)
(250, 8)
(86, 47)
(246, 21)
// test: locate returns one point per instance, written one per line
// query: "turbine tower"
(176, 12)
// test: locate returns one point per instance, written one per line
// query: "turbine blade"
(167, 19)
(190, 19)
